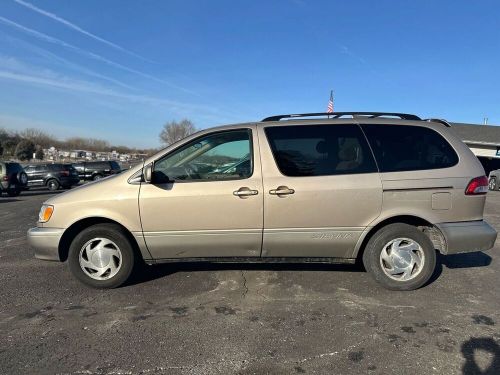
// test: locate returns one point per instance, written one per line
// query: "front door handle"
(281, 190)
(245, 192)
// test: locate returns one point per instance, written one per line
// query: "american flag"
(329, 109)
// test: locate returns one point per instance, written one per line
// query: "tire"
(13, 192)
(53, 184)
(22, 178)
(117, 267)
(395, 239)
(492, 184)
(97, 177)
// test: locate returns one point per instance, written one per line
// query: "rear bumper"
(45, 241)
(467, 236)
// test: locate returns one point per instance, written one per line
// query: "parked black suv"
(95, 170)
(13, 179)
(53, 176)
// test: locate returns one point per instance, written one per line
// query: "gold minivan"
(386, 188)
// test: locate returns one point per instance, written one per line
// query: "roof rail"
(440, 120)
(335, 115)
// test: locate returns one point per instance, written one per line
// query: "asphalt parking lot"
(244, 319)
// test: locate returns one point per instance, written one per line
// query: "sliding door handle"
(281, 190)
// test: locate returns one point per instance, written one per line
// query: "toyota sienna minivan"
(387, 189)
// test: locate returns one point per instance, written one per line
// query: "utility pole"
(485, 121)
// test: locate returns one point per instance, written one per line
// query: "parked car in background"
(95, 170)
(52, 176)
(494, 180)
(13, 178)
(388, 189)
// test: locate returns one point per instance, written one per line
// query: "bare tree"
(38, 137)
(174, 131)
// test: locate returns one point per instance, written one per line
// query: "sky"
(120, 69)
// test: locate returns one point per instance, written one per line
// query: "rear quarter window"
(400, 148)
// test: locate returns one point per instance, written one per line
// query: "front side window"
(409, 148)
(320, 150)
(55, 167)
(219, 156)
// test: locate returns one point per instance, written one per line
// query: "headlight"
(45, 213)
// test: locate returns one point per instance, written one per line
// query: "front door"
(205, 199)
(321, 189)
(36, 174)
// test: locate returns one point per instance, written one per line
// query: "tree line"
(23, 144)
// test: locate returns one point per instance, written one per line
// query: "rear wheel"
(53, 185)
(492, 184)
(400, 257)
(97, 177)
(101, 256)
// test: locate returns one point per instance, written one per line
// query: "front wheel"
(53, 185)
(400, 257)
(101, 256)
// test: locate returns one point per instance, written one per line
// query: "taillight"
(477, 186)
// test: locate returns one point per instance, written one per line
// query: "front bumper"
(467, 236)
(46, 242)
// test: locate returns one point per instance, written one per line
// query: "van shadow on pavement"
(464, 260)
(149, 273)
(153, 272)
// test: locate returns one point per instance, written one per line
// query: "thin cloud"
(53, 80)
(71, 25)
(50, 39)
(62, 61)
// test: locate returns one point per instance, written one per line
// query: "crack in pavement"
(245, 288)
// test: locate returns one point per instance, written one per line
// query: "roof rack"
(440, 120)
(335, 115)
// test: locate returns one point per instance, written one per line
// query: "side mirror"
(148, 173)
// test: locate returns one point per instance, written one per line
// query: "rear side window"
(114, 165)
(98, 165)
(409, 148)
(320, 150)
